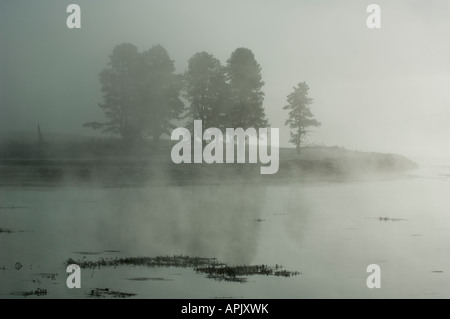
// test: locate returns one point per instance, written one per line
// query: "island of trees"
(143, 96)
(144, 99)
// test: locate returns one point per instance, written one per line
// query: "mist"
(90, 170)
(394, 78)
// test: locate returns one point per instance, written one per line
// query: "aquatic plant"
(387, 219)
(238, 273)
(105, 292)
(159, 261)
(208, 266)
(37, 292)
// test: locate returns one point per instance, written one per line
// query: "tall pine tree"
(244, 78)
(206, 90)
(120, 88)
(141, 93)
(160, 93)
(300, 117)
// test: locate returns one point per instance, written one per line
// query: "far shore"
(110, 163)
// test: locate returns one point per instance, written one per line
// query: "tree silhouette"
(140, 93)
(160, 92)
(206, 90)
(300, 116)
(120, 90)
(244, 77)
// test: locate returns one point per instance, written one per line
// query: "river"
(329, 232)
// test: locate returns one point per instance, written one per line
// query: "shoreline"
(313, 164)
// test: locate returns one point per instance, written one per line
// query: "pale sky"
(382, 90)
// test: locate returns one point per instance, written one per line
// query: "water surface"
(330, 232)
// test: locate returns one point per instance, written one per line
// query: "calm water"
(330, 232)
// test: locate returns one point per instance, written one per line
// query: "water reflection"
(197, 221)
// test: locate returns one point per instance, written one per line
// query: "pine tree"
(120, 90)
(140, 93)
(300, 117)
(244, 77)
(160, 93)
(206, 90)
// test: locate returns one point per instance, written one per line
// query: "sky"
(382, 90)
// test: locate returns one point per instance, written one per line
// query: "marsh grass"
(106, 292)
(207, 266)
(149, 279)
(37, 292)
(159, 261)
(7, 231)
(11, 231)
(87, 252)
(239, 273)
(51, 276)
(387, 219)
